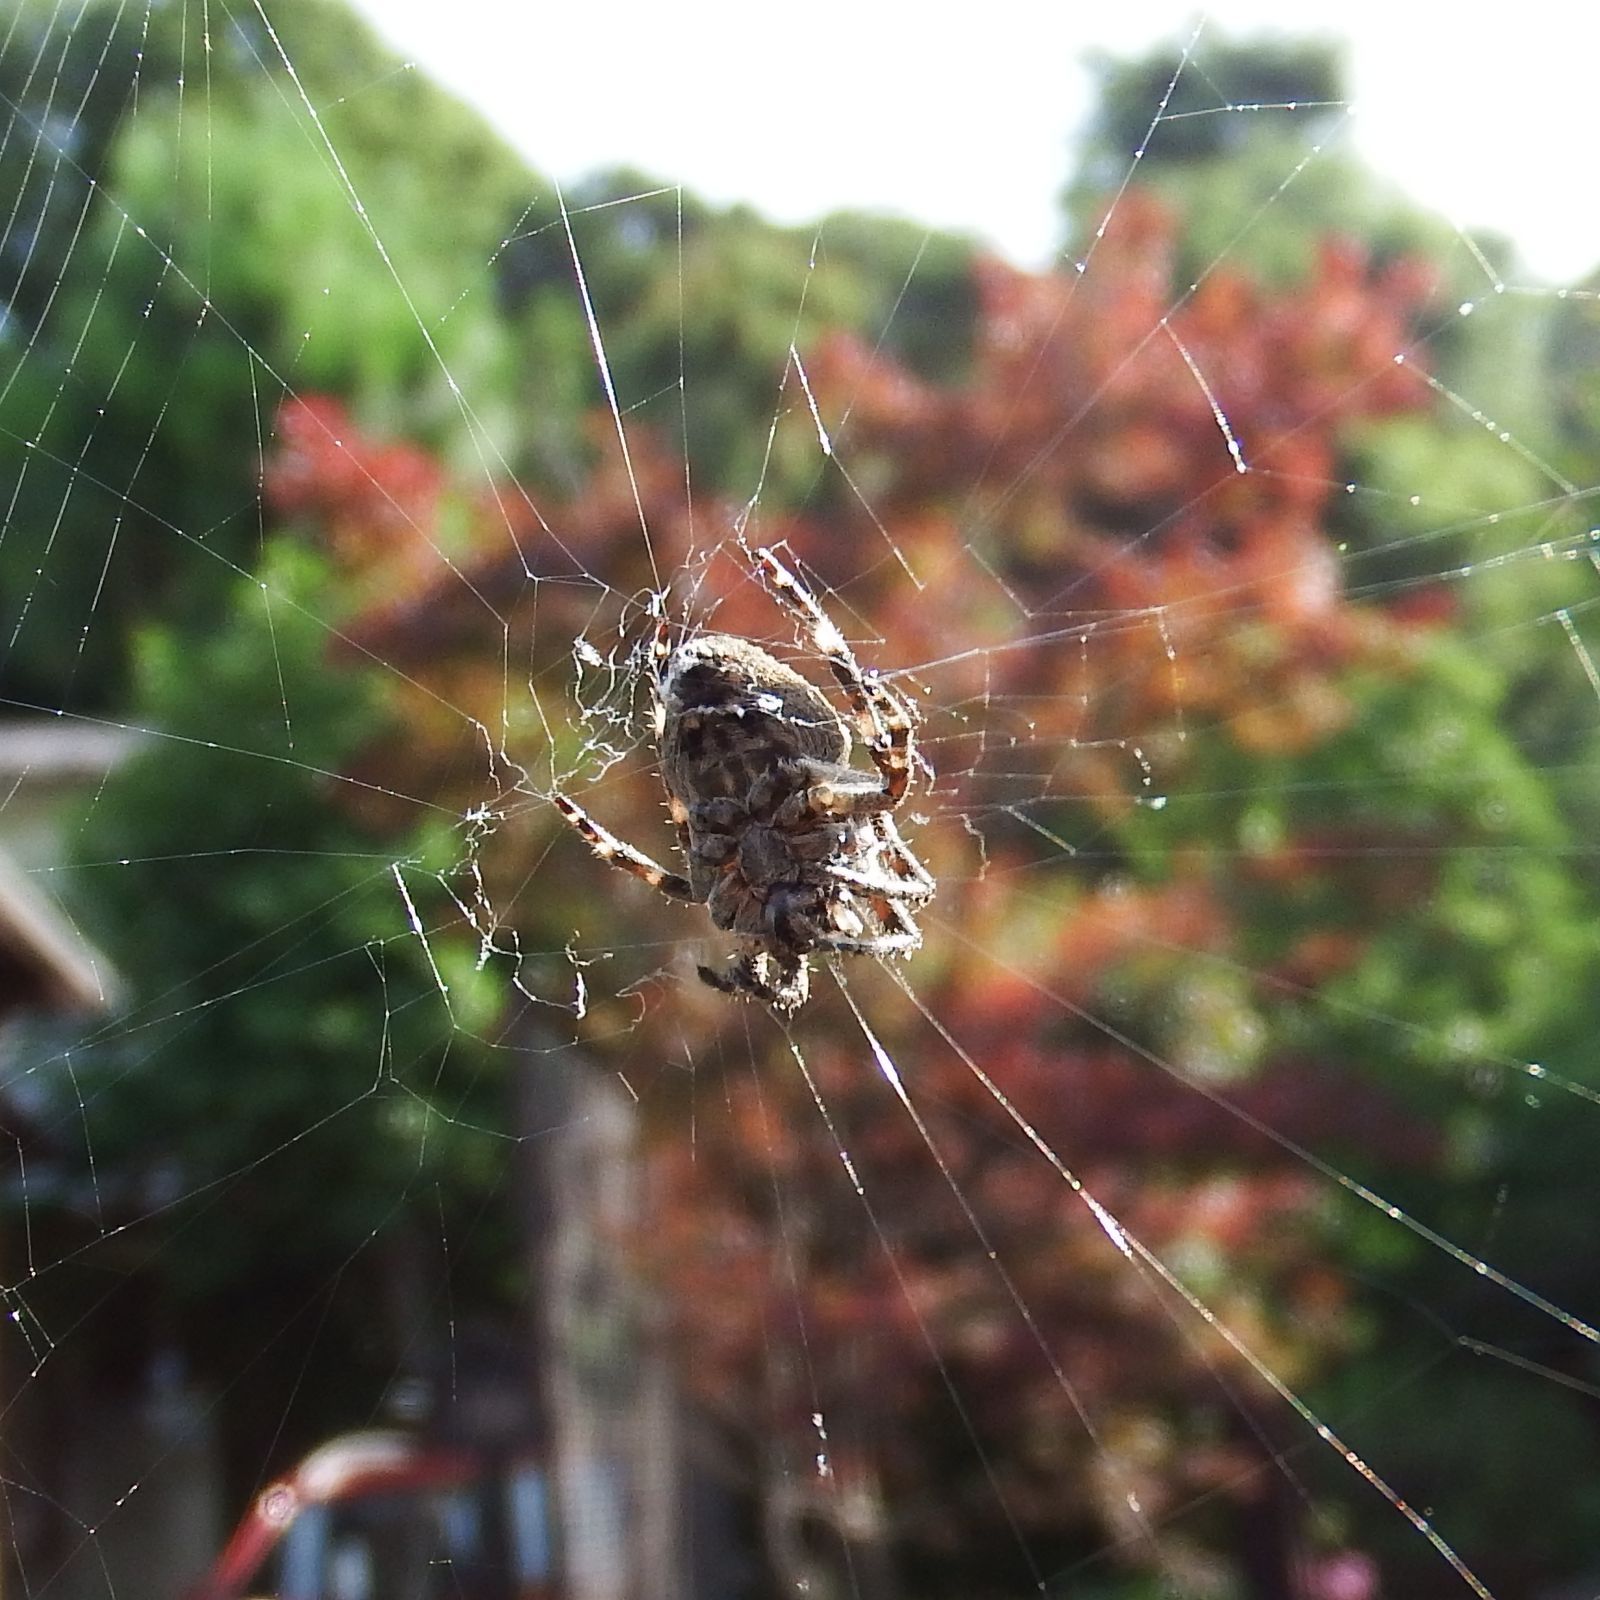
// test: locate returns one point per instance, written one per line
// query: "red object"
(384, 1512)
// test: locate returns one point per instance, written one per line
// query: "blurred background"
(1199, 426)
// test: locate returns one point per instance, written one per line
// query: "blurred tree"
(183, 269)
(1243, 141)
(297, 1097)
(1174, 108)
(698, 311)
(195, 262)
(1463, 758)
(1157, 624)
(63, 92)
(189, 267)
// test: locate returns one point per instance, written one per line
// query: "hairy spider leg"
(901, 943)
(902, 857)
(660, 656)
(878, 883)
(787, 992)
(609, 847)
(728, 980)
(886, 721)
(901, 938)
(836, 792)
(660, 652)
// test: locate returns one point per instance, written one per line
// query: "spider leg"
(897, 932)
(897, 935)
(706, 852)
(704, 876)
(748, 974)
(876, 883)
(713, 816)
(660, 655)
(712, 849)
(817, 843)
(898, 854)
(880, 944)
(873, 855)
(832, 790)
(609, 847)
(892, 753)
(732, 906)
(735, 978)
(797, 917)
(741, 979)
(886, 721)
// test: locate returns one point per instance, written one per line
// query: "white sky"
(963, 116)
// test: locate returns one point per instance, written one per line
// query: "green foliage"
(224, 257)
(1429, 834)
(699, 310)
(1286, 84)
(1248, 151)
(285, 1012)
(1489, 1450)
(385, 248)
(1492, 955)
(1437, 839)
(62, 94)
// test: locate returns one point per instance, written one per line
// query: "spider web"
(1222, 1152)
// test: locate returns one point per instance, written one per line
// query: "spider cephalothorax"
(789, 846)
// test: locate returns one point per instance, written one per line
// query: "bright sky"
(964, 117)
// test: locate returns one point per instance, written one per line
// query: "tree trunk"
(606, 1403)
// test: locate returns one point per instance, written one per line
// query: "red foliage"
(376, 504)
(1087, 461)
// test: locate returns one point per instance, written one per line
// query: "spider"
(788, 846)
